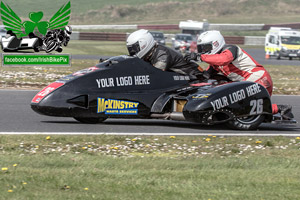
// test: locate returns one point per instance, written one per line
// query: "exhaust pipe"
(173, 116)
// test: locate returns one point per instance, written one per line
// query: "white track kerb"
(155, 134)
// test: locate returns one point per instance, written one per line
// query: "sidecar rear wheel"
(246, 123)
(90, 120)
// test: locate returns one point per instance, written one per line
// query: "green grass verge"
(285, 79)
(107, 48)
(38, 77)
(149, 167)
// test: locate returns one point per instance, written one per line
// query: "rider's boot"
(285, 112)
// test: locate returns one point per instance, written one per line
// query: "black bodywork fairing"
(129, 87)
(120, 78)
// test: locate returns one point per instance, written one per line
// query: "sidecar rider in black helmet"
(142, 45)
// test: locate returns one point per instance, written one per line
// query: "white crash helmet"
(68, 30)
(139, 43)
(210, 42)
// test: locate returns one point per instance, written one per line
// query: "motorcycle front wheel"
(246, 123)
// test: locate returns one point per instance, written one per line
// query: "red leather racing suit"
(237, 65)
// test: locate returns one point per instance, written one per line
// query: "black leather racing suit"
(167, 59)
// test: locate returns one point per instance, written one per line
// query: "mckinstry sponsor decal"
(117, 107)
(35, 59)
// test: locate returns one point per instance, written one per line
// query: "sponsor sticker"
(116, 107)
(85, 71)
(201, 96)
(47, 90)
(216, 43)
(181, 78)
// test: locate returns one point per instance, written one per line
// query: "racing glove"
(193, 56)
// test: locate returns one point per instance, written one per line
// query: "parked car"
(182, 42)
(158, 37)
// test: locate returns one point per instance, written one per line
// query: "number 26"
(257, 106)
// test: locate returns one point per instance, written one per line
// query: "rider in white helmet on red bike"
(234, 63)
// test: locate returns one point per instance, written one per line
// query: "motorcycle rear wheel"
(90, 120)
(246, 123)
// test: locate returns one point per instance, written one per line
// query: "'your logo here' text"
(236, 96)
(123, 81)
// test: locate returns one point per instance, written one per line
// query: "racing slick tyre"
(246, 123)
(59, 49)
(90, 120)
(51, 46)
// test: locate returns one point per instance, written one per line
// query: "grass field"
(161, 12)
(120, 167)
(166, 12)
(106, 48)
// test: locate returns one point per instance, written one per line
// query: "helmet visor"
(204, 48)
(134, 48)
(68, 30)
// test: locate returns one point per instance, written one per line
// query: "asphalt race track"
(16, 117)
(259, 56)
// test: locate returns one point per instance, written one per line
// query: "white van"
(193, 27)
(282, 42)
